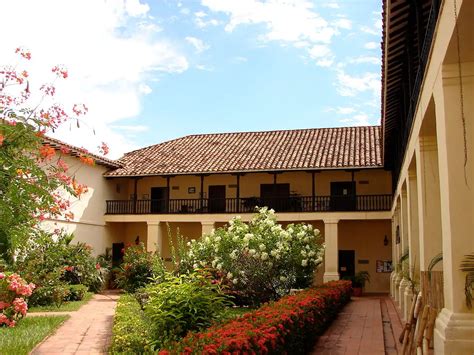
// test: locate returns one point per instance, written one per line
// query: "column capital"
(207, 223)
(331, 221)
(153, 223)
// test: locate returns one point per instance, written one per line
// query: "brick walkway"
(87, 331)
(367, 325)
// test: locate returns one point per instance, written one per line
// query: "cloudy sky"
(155, 70)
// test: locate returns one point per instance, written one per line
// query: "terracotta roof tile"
(303, 149)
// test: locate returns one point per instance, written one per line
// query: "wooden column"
(201, 202)
(238, 192)
(313, 192)
(135, 185)
(168, 192)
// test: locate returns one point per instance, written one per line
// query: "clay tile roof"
(302, 149)
(75, 151)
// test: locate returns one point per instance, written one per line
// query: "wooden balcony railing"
(247, 205)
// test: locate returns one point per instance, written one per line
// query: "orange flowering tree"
(35, 179)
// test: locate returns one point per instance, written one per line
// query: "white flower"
(264, 256)
(252, 251)
(319, 260)
(202, 263)
(235, 238)
(214, 263)
(234, 281)
(300, 234)
(269, 222)
(304, 262)
(262, 246)
(195, 266)
(229, 275)
(219, 266)
(316, 231)
(283, 278)
(188, 244)
(242, 273)
(206, 240)
(233, 255)
(311, 253)
(218, 239)
(248, 236)
(216, 249)
(303, 253)
(271, 211)
(270, 264)
(306, 240)
(256, 255)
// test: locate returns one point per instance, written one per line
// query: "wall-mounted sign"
(383, 266)
(191, 190)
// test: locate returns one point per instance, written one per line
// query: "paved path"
(87, 331)
(367, 325)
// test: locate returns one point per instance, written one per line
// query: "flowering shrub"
(259, 260)
(287, 326)
(13, 294)
(53, 264)
(35, 183)
(139, 268)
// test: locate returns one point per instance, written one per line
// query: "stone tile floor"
(87, 331)
(367, 325)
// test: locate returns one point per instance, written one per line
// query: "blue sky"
(157, 70)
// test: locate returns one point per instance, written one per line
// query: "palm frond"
(436, 259)
(404, 256)
(467, 265)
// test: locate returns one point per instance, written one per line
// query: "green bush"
(182, 304)
(139, 268)
(130, 331)
(54, 263)
(76, 293)
(259, 261)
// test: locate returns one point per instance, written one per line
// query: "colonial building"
(376, 193)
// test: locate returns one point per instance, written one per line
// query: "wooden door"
(343, 196)
(216, 198)
(276, 196)
(346, 263)
(159, 199)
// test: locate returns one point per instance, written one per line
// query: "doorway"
(159, 199)
(275, 196)
(216, 198)
(343, 196)
(346, 265)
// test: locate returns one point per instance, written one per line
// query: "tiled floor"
(87, 331)
(362, 328)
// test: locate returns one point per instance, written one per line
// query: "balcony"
(359, 203)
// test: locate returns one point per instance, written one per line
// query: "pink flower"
(20, 306)
(4, 305)
(2, 275)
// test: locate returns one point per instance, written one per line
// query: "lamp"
(385, 240)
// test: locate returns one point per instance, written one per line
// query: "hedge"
(290, 325)
(130, 331)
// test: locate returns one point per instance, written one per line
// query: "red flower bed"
(289, 325)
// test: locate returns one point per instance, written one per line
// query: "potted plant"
(358, 282)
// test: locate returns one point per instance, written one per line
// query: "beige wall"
(88, 224)
(366, 238)
(368, 182)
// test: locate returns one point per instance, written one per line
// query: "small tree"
(35, 181)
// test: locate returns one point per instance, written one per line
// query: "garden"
(246, 287)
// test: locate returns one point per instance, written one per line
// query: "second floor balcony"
(334, 203)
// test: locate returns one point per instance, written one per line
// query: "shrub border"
(290, 325)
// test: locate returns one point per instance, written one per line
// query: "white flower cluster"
(273, 248)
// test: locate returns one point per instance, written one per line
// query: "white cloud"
(365, 60)
(204, 67)
(361, 119)
(197, 43)
(342, 110)
(375, 29)
(185, 11)
(285, 21)
(111, 49)
(371, 45)
(348, 85)
(330, 5)
(343, 23)
(144, 89)
(132, 129)
(201, 21)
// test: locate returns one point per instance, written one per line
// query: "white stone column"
(207, 227)
(429, 206)
(454, 333)
(404, 283)
(154, 237)
(331, 254)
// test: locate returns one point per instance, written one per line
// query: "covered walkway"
(367, 325)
